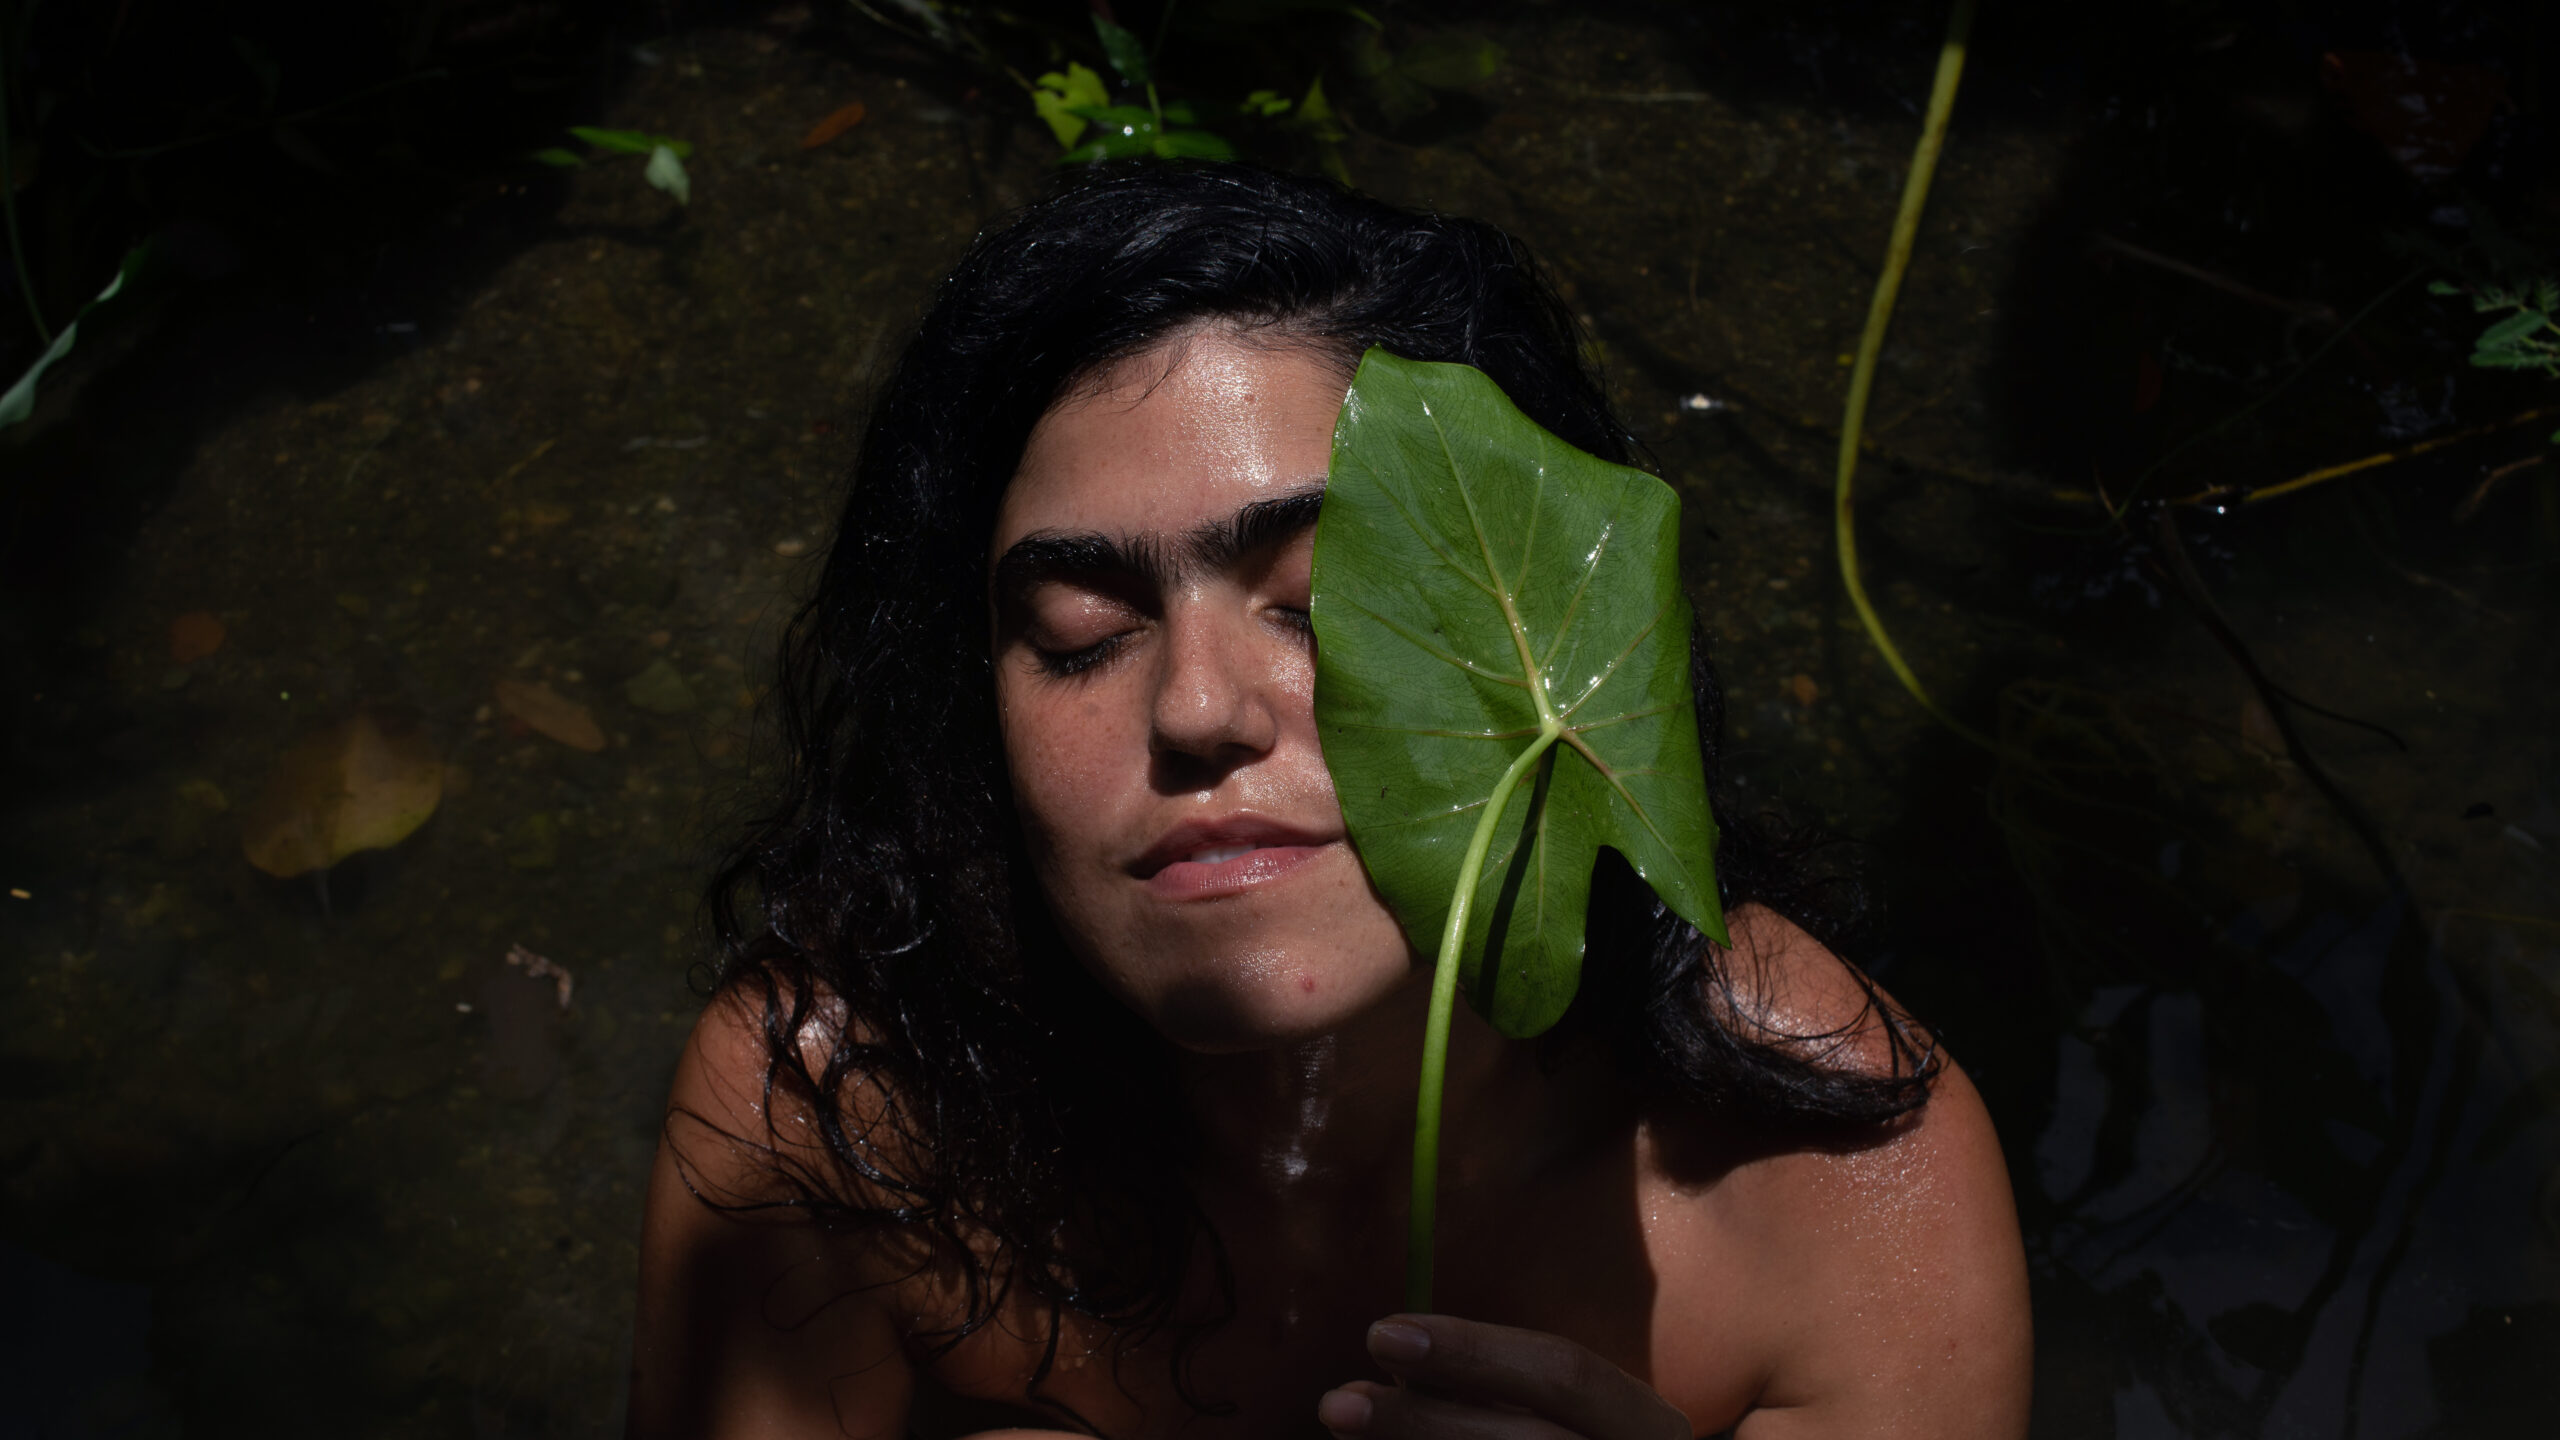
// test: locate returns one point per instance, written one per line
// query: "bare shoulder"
(754, 1318)
(1886, 1285)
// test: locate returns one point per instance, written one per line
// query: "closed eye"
(1065, 664)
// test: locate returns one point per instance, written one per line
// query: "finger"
(1547, 1374)
(1366, 1410)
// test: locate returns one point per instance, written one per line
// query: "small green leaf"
(2514, 328)
(1125, 52)
(631, 142)
(1316, 117)
(1179, 112)
(2443, 287)
(1481, 588)
(1193, 145)
(1265, 103)
(1057, 97)
(621, 142)
(554, 155)
(667, 173)
(2508, 360)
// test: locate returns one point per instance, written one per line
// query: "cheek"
(1059, 752)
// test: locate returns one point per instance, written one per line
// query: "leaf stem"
(1897, 258)
(1421, 1220)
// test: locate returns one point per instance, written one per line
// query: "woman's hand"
(1464, 1380)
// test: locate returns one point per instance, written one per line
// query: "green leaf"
(667, 173)
(1193, 145)
(631, 142)
(2443, 287)
(2515, 327)
(1483, 589)
(1057, 97)
(1124, 50)
(1265, 103)
(623, 142)
(554, 155)
(19, 401)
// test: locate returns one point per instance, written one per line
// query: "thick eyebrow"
(1219, 545)
(1044, 556)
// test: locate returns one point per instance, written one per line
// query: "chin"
(1231, 1001)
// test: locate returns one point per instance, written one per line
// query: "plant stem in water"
(1897, 258)
(1422, 1217)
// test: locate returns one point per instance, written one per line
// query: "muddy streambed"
(306, 1155)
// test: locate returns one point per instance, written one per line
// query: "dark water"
(2271, 1028)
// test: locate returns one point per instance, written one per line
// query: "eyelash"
(1067, 664)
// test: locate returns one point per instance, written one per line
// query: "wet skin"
(1610, 1267)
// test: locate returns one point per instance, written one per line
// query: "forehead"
(1176, 436)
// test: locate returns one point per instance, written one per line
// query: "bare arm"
(760, 1324)
(1900, 1260)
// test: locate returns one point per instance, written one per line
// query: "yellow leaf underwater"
(364, 783)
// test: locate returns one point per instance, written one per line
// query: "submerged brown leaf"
(834, 125)
(364, 783)
(193, 636)
(547, 712)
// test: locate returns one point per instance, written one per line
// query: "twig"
(1906, 226)
(2471, 503)
(2312, 310)
(2229, 495)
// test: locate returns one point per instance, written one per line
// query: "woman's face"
(1155, 676)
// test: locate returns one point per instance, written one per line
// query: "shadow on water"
(2281, 1128)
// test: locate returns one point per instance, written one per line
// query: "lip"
(1271, 849)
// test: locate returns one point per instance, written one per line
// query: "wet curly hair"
(881, 918)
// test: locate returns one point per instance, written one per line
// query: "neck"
(1304, 1122)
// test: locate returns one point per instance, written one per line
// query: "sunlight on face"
(1155, 677)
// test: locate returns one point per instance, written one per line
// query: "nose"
(1214, 704)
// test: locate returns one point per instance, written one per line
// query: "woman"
(1061, 1070)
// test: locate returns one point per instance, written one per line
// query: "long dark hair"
(881, 916)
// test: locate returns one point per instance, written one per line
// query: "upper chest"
(1661, 1279)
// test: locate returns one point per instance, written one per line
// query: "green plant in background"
(1502, 687)
(665, 168)
(1074, 101)
(2526, 339)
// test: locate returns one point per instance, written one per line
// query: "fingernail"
(1395, 1340)
(1343, 1410)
